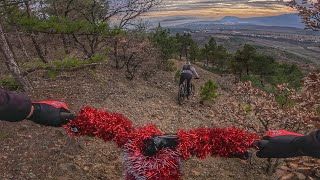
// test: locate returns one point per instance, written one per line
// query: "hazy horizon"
(216, 9)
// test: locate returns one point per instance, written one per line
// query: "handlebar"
(67, 116)
(152, 146)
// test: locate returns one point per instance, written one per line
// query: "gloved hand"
(51, 113)
(285, 144)
(152, 146)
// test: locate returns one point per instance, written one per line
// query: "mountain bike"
(183, 91)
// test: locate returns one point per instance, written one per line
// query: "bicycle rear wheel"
(192, 90)
(181, 93)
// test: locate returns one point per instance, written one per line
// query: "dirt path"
(29, 151)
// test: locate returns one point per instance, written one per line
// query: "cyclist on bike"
(186, 73)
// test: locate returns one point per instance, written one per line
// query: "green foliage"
(318, 110)
(67, 63)
(208, 53)
(284, 101)
(266, 71)
(215, 55)
(204, 54)
(70, 62)
(35, 63)
(208, 91)
(194, 52)
(247, 108)
(283, 98)
(262, 65)
(8, 82)
(177, 76)
(214, 69)
(97, 58)
(185, 46)
(262, 70)
(212, 43)
(243, 58)
(166, 43)
(55, 24)
(52, 73)
(222, 57)
(274, 74)
(256, 80)
(170, 66)
(286, 73)
(54, 67)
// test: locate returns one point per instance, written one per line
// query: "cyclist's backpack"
(186, 67)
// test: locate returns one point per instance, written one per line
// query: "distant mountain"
(173, 20)
(286, 20)
(229, 19)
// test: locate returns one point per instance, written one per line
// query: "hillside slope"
(29, 151)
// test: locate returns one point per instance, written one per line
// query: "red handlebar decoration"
(166, 163)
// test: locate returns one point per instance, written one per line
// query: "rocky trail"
(30, 151)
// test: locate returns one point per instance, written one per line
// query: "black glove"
(152, 146)
(284, 144)
(51, 113)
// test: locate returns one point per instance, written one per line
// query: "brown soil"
(31, 151)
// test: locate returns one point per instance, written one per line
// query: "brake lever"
(74, 130)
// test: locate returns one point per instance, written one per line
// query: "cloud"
(220, 8)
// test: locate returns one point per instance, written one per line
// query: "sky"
(219, 8)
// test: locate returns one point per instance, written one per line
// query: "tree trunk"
(240, 75)
(23, 47)
(33, 38)
(207, 61)
(65, 44)
(81, 45)
(38, 48)
(186, 53)
(131, 72)
(45, 48)
(115, 52)
(247, 68)
(11, 62)
(261, 80)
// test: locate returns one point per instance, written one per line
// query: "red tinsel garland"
(225, 142)
(166, 164)
(103, 124)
